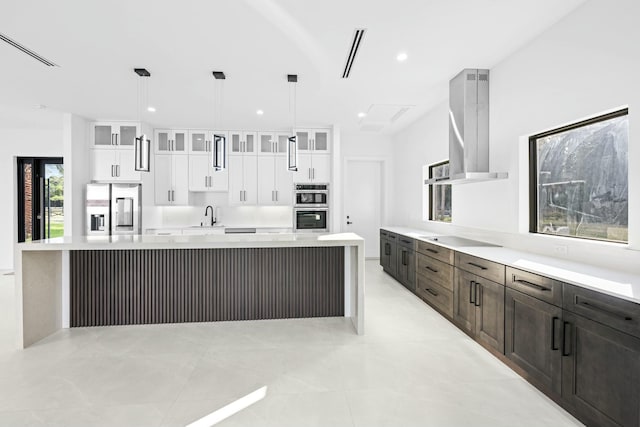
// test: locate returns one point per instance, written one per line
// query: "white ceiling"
(256, 43)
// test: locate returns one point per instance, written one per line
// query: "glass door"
(40, 198)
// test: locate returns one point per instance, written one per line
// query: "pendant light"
(292, 145)
(142, 143)
(219, 152)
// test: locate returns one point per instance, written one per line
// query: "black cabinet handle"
(404, 262)
(478, 294)
(529, 284)
(471, 289)
(566, 349)
(405, 241)
(433, 270)
(554, 319)
(596, 308)
(432, 250)
(435, 294)
(387, 249)
(477, 266)
(392, 237)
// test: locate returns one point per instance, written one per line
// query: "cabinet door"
(282, 140)
(236, 176)
(219, 180)
(303, 174)
(236, 143)
(180, 172)
(266, 143)
(283, 182)
(464, 310)
(162, 179)
(532, 338)
(126, 135)
(163, 141)
(320, 141)
(103, 162)
(199, 172)
(411, 270)
(600, 372)
(490, 313)
(266, 183)
(198, 142)
(321, 168)
(250, 179)
(401, 268)
(126, 166)
(180, 142)
(383, 254)
(392, 267)
(103, 135)
(304, 140)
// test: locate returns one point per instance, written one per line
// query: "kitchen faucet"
(213, 219)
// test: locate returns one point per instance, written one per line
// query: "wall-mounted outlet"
(560, 250)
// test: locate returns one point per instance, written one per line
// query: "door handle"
(471, 289)
(435, 294)
(431, 269)
(477, 266)
(478, 294)
(168, 195)
(116, 137)
(276, 195)
(529, 284)
(112, 168)
(205, 181)
(173, 195)
(118, 170)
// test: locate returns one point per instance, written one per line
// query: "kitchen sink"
(456, 241)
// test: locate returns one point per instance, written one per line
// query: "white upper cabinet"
(313, 168)
(171, 180)
(243, 180)
(114, 135)
(241, 142)
(171, 141)
(316, 140)
(270, 143)
(199, 142)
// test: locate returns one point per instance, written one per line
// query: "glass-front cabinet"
(272, 143)
(317, 140)
(243, 142)
(113, 135)
(171, 141)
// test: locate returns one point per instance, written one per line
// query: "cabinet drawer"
(406, 242)
(435, 295)
(611, 311)
(435, 251)
(480, 266)
(436, 271)
(540, 287)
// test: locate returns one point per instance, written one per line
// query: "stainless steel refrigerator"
(113, 209)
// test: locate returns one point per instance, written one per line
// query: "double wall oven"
(311, 207)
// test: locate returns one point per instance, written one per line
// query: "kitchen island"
(146, 279)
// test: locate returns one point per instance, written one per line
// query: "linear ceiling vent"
(358, 34)
(29, 52)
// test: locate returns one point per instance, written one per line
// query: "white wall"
(582, 66)
(75, 136)
(19, 143)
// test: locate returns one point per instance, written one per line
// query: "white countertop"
(148, 241)
(611, 282)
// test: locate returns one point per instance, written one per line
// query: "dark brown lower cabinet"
(388, 257)
(533, 339)
(600, 373)
(478, 308)
(406, 268)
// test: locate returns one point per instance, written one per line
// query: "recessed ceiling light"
(402, 56)
(361, 115)
(259, 112)
(151, 109)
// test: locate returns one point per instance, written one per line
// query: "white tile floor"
(412, 368)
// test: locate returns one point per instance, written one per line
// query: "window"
(579, 179)
(440, 195)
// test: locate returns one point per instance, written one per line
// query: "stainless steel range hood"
(468, 130)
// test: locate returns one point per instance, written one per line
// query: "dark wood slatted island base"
(125, 287)
(145, 279)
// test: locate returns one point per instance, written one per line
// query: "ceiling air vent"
(29, 52)
(355, 45)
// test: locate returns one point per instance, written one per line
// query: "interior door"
(363, 202)
(40, 198)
